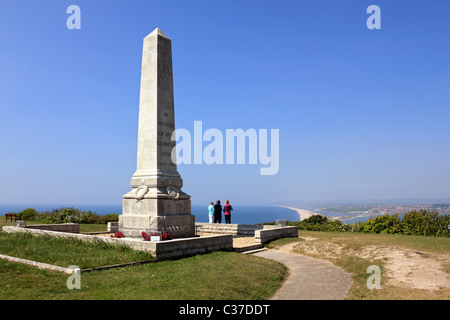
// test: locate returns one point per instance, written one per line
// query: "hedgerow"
(67, 215)
(421, 223)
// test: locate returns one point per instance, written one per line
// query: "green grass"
(64, 252)
(86, 228)
(219, 275)
(280, 242)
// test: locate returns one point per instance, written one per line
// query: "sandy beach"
(304, 214)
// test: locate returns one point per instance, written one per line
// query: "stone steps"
(247, 248)
(254, 251)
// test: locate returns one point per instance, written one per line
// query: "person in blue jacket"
(211, 212)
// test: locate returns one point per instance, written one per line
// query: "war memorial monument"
(156, 202)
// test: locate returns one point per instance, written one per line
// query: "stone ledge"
(247, 248)
(263, 236)
(192, 246)
(64, 227)
(39, 265)
(113, 227)
(234, 229)
(163, 250)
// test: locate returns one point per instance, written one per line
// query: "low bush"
(70, 215)
(425, 223)
(337, 225)
(420, 223)
(322, 223)
(67, 215)
(385, 224)
(27, 214)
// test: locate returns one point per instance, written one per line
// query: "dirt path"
(404, 267)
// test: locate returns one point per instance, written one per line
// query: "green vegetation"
(28, 214)
(425, 223)
(422, 223)
(281, 242)
(65, 252)
(322, 223)
(219, 275)
(66, 215)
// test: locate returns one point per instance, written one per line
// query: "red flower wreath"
(117, 235)
(145, 236)
(164, 236)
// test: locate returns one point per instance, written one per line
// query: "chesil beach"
(303, 213)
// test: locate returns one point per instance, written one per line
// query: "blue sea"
(241, 214)
(246, 214)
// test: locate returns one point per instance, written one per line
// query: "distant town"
(381, 209)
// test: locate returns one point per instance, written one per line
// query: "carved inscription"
(164, 142)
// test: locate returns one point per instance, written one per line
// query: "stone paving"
(309, 278)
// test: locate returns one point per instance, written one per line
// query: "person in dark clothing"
(217, 212)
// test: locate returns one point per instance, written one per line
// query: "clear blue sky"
(362, 113)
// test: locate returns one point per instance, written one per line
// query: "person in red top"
(227, 211)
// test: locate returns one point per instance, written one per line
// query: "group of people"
(215, 212)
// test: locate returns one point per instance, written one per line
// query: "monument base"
(157, 215)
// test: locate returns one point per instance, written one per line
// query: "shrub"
(109, 218)
(382, 224)
(337, 225)
(67, 215)
(421, 223)
(314, 223)
(425, 223)
(70, 215)
(43, 217)
(28, 214)
(316, 219)
(323, 223)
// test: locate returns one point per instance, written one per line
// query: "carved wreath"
(141, 192)
(173, 192)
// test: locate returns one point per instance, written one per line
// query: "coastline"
(303, 213)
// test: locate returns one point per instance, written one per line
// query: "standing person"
(227, 211)
(211, 212)
(218, 212)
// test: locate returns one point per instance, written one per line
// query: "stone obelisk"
(156, 202)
